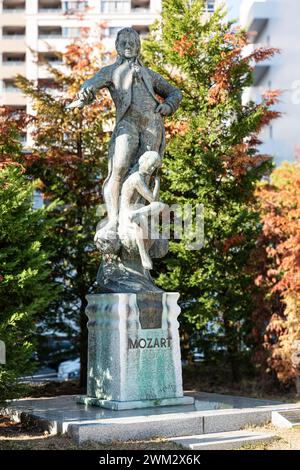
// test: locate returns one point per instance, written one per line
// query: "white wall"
(282, 138)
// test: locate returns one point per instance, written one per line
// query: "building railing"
(115, 6)
(13, 36)
(13, 10)
(50, 10)
(13, 62)
(50, 36)
(12, 90)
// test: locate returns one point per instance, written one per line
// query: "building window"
(115, 6)
(112, 31)
(71, 32)
(38, 200)
(13, 32)
(73, 6)
(209, 6)
(23, 138)
(13, 58)
(49, 32)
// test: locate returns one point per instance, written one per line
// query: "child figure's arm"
(144, 191)
(156, 188)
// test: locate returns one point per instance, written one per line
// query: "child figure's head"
(149, 162)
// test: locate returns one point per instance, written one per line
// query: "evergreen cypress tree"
(212, 159)
(26, 287)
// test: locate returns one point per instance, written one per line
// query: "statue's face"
(127, 46)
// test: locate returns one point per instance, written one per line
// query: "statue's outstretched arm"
(87, 92)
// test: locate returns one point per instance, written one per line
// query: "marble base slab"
(133, 405)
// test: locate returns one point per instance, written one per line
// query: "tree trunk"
(231, 341)
(297, 383)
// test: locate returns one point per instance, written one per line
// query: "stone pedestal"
(134, 356)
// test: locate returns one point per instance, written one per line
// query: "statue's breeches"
(134, 135)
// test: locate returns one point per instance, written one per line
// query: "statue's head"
(149, 162)
(128, 43)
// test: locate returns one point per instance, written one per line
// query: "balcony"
(125, 6)
(13, 6)
(143, 30)
(139, 6)
(255, 16)
(13, 32)
(49, 32)
(46, 59)
(13, 58)
(9, 86)
(48, 6)
(52, 58)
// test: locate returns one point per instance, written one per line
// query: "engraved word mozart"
(149, 343)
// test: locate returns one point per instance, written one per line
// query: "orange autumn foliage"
(280, 278)
(184, 46)
(12, 124)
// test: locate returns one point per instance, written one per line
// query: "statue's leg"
(125, 148)
(141, 217)
(145, 258)
(151, 136)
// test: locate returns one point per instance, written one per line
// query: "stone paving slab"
(286, 419)
(208, 415)
(222, 440)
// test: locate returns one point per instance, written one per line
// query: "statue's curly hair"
(129, 31)
(150, 156)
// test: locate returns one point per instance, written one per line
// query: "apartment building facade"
(30, 26)
(275, 23)
(44, 26)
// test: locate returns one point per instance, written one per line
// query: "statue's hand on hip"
(164, 109)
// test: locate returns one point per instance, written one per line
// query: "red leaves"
(240, 161)
(281, 218)
(279, 277)
(234, 42)
(271, 97)
(261, 53)
(235, 240)
(175, 128)
(12, 124)
(184, 46)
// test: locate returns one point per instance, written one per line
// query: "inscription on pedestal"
(149, 343)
